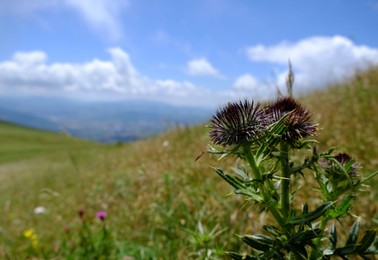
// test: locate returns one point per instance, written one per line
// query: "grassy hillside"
(19, 143)
(161, 202)
(348, 117)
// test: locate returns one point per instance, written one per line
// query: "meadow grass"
(20, 143)
(347, 114)
(161, 202)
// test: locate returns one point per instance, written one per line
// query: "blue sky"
(196, 52)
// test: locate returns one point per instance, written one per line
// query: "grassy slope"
(19, 143)
(348, 117)
(154, 193)
(35, 164)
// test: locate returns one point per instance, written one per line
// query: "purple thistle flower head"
(344, 159)
(237, 123)
(101, 215)
(298, 122)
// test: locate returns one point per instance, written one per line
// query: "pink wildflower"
(101, 215)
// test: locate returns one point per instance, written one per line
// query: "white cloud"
(246, 82)
(30, 58)
(201, 67)
(317, 61)
(248, 86)
(29, 73)
(101, 15)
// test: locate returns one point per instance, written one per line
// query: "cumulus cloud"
(30, 73)
(248, 86)
(246, 82)
(201, 67)
(318, 61)
(101, 15)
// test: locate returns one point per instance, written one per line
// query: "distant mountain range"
(100, 121)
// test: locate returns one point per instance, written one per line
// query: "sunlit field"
(161, 197)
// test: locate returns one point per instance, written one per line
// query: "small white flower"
(40, 210)
(165, 143)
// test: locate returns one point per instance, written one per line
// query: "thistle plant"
(266, 140)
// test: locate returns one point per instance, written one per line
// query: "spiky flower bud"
(237, 123)
(344, 160)
(298, 120)
(340, 174)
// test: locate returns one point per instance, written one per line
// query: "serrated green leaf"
(353, 234)
(212, 150)
(223, 153)
(259, 159)
(259, 242)
(311, 216)
(272, 230)
(250, 195)
(233, 181)
(305, 237)
(333, 237)
(236, 256)
(346, 250)
(342, 209)
(304, 144)
(366, 241)
(327, 154)
(240, 186)
(305, 209)
(241, 172)
(300, 252)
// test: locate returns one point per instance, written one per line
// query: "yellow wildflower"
(34, 241)
(28, 233)
(32, 237)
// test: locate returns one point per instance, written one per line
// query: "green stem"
(285, 188)
(252, 163)
(258, 177)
